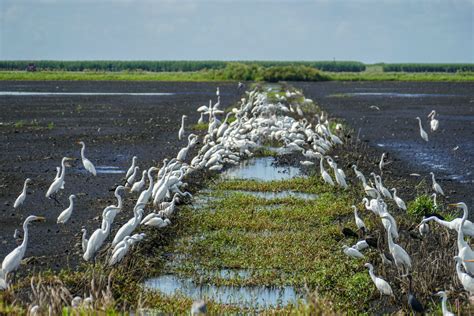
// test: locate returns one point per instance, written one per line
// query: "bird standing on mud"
(423, 134)
(436, 187)
(58, 183)
(21, 198)
(181, 130)
(12, 261)
(88, 165)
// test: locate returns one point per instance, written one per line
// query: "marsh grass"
(296, 242)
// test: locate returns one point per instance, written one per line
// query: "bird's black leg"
(56, 200)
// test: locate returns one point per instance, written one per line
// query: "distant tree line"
(414, 67)
(173, 66)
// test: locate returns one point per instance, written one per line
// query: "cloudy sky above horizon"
(365, 30)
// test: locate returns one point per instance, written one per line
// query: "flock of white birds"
(226, 143)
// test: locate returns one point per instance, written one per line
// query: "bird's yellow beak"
(469, 260)
(453, 205)
(40, 219)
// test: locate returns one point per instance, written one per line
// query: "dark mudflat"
(394, 129)
(114, 128)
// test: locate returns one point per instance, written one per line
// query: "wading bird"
(66, 214)
(434, 123)
(132, 167)
(352, 252)
(400, 203)
(181, 130)
(444, 307)
(436, 187)
(88, 165)
(400, 256)
(423, 134)
(58, 183)
(466, 280)
(381, 285)
(13, 259)
(359, 222)
(21, 198)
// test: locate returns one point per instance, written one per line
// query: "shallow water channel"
(262, 169)
(255, 297)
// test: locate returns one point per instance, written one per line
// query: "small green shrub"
(19, 124)
(422, 205)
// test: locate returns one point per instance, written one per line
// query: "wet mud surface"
(36, 131)
(449, 153)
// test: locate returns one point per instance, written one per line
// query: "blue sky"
(365, 30)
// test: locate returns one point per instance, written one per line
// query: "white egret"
(424, 228)
(146, 194)
(359, 222)
(84, 240)
(352, 252)
(326, 177)
(21, 198)
(131, 178)
(157, 222)
(109, 213)
(381, 285)
(96, 240)
(400, 203)
(12, 261)
(129, 226)
(66, 214)
(118, 196)
(201, 118)
(436, 187)
(468, 227)
(434, 123)
(423, 134)
(399, 254)
(382, 163)
(181, 130)
(132, 167)
(464, 250)
(466, 280)
(444, 299)
(434, 200)
(59, 182)
(138, 186)
(361, 245)
(120, 252)
(88, 165)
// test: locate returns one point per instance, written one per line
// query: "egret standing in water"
(21, 198)
(13, 259)
(88, 165)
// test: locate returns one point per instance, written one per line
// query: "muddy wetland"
(257, 201)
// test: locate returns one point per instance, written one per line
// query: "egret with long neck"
(13, 259)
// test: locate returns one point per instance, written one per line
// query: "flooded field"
(383, 116)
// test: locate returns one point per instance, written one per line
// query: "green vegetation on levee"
(277, 242)
(271, 71)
